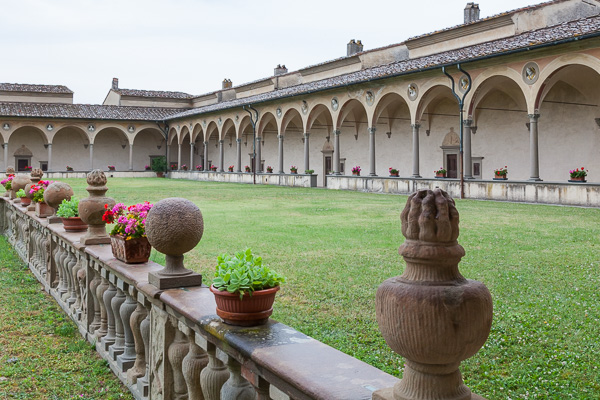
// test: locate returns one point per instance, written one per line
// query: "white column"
(415, 150)
(372, 151)
(336, 152)
(179, 156)
(91, 156)
(131, 156)
(206, 166)
(191, 166)
(306, 152)
(280, 137)
(239, 154)
(467, 148)
(49, 157)
(221, 155)
(534, 159)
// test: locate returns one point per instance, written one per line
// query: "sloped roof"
(86, 111)
(21, 87)
(568, 30)
(153, 93)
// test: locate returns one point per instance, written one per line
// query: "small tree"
(159, 164)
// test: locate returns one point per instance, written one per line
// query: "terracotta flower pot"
(252, 310)
(25, 201)
(396, 175)
(74, 224)
(132, 251)
(578, 179)
(43, 210)
(440, 175)
(160, 174)
(500, 177)
(356, 173)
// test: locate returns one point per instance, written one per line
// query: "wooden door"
(452, 165)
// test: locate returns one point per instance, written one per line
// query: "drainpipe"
(253, 121)
(165, 132)
(461, 103)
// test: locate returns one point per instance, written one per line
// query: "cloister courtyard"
(541, 263)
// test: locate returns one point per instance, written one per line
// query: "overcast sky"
(192, 45)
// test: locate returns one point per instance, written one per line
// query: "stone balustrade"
(170, 344)
(297, 180)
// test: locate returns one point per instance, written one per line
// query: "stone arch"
(431, 96)
(293, 117)
(147, 144)
(320, 115)
(172, 135)
(356, 110)
(70, 145)
(111, 147)
(183, 133)
(507, 86)
(197, 132)
(266, 119)
(389, 105)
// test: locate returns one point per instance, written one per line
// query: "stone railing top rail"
(297, 364)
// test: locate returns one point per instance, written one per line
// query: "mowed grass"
(541, 264)
(42, 355)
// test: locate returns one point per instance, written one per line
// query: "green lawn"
(541, 263)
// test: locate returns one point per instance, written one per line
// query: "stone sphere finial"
(19, 182)
(96, 178)
(37, 173)
(174, 226)
(54, 194)
(9, 171)
(432, 315)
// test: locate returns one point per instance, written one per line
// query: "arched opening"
(292, 130)
(111, 148)
(320, 129)
(71, 147)
(212, 137)
(393, 140)
(268, 131)
(34, 141)
(354, 138)
(148, 144)
(229, 145)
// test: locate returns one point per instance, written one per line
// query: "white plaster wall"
(68, 149)
(395, 151)
(108, 150)
(144, 146)
(32, 139)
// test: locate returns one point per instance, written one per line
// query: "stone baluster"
(432, 315)
(109, 339)
(103, 287)
(214, 375)
(135, 323)
(71, 296)
(118, 347)
(260, 385)
(126, 360)
(176, 353)
(142, 383)
(81, 279)
(94, 283)
(60, 259)
(236, 386)
(45, 265)
(193, 364)
(77, 294)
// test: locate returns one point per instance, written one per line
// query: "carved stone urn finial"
(174, 226)
(431, 315)
(54, 194)
(36, 176)
(10, 171)
(91, 209)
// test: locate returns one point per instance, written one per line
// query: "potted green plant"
(244, 289)
(394, 172)
(247, 168)
(128, 236)
(7, 183)
(69, 168)
(159, 166)
(294, 169)
(111, 168)
(269, 169)
(309, 171)
(440, 173)
(501, 174)
(22, 195)
(69, 214)
(184, 167)
(356, 171)
(199, 167)
(213, 167)
(230, 168)
(578, 175)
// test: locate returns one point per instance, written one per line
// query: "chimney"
(471, 13)
(280, 70)
(227, 84)
(115, 84)
(353, 47)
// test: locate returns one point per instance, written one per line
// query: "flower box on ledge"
(440, 176)
(132, 251)
(500, 177)
(578, 180)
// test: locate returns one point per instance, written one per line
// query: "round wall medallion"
(204, 122)
(334, 104)
(131, 128)
(304, 107)
(463, 83)
(237, 118)
(279, 112)
(531, 72)
(49, 127)
(412, 91)
(220, 120)
(6, 126)
(369, 97)
(91, 128)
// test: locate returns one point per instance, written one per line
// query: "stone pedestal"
(36, 175)
(174, 226)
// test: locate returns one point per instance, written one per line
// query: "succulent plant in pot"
(68, 211)
(244, 289)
